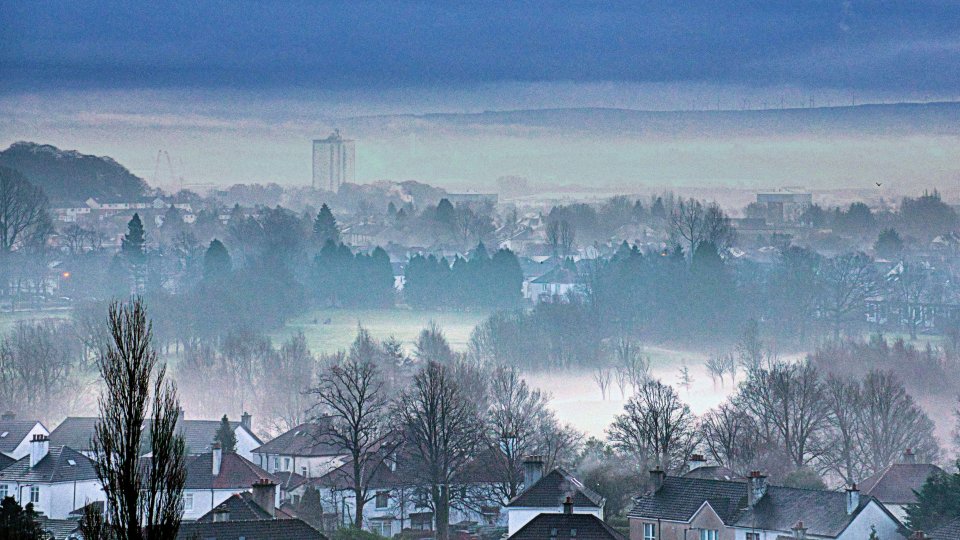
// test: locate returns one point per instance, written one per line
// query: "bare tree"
(40, 370)
(732, 437)
(656, 426)
(443, 431)
(716, 368)
(141, 502)
(788, 400)
(693, 223)
(848, 281)
(845, 401)
(23, 210)
(352, 408)
(514, 420)
(602, 376)
(911, 286)
(284, 384)
(561, 237)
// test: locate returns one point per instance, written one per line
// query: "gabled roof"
(259, 529)
(6, 461)
(560, 274)
(290, 480)
(553, 488)
(78, 432)
(948, 531)
(896, 484)
(61, 464)
(60, 529)
(566, 527)
(306, 440)
(242, 507)
(13, 432)
(824, 512)
(235, 473)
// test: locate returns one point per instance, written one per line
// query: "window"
(383, 499)
(753, 536)
(276, 463)
(649, 531)
(286, 464)
(709, 534)
(303, 472)
(34, 494)
(188, 501)
(382, 528)
(3, 491)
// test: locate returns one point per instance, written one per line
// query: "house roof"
(896, 483)
(714, 472)
(553, 488)
(6, 461)
(61, 464)
(567, 527)
(235, 473)
(242, 507)
(78, 432)
(290, 480)
(13, 432)
(560, 274)
(259, 529)
(305, 440)
(824, 512)
(948, 531)
(59, 529)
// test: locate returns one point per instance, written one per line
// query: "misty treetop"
(479, 281)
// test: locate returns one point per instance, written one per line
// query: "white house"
(547, 493)
(215, 476)
(896, 485)
(57, 480)
(15, 435)
(304, 450)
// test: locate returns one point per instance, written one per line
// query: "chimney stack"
(853, 499)
(39, 447)
(265, 495)
(696, 461)
(217, 458)
(909, 457)
(756, 487)
(532, 470)
(246, 421)
(799, 531)
(657, 476)
(568, 505)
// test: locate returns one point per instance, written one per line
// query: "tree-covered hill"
(69, 176)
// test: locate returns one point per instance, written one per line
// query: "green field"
(403, 324)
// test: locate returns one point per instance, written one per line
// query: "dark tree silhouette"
(216, 260)
(226, 436)
(325, 228)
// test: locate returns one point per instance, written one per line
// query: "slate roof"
(305, 440)
(242, 507)
(553, 488)
(896, 484)
(714, 472)
(13, 432)
(6, 461)
(948, 531)
(566, 527)
(61, 464)
(60, 529)
(235, 473)
(78, 432)
(261, 529)
(290, 480)
(824, 512)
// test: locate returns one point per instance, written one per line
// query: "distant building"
(333, 161)
(473, 198)
(784, 206)
(897, 485)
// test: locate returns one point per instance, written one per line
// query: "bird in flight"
(878, 184)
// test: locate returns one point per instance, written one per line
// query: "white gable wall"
(520, 516)
(873, 515)
(23, 448)
(246, 443)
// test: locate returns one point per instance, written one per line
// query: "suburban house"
(214, 477)
(547, 494)
(305, 450)
(78, 431)
(15, 435)
(567, 525)
(256, 504)
(56, 479)
(557, 284)
(894, 486)
(258, 529)
(678, 508)
(292, 486)
(948, 531)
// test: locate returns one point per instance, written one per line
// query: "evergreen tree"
(325, 228)
(938, 501)
(445, 212)
(216, 260)
(310, 508)
(17, 523)
(889, 245)
(133, 245)
(226, 436)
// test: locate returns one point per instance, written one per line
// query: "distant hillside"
(69, 176)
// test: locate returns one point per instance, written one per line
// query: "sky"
(130, 78)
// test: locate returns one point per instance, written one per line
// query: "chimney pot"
(246, 421)
(696, 461)
(568, 505)
(909, 457)
(657, 477)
